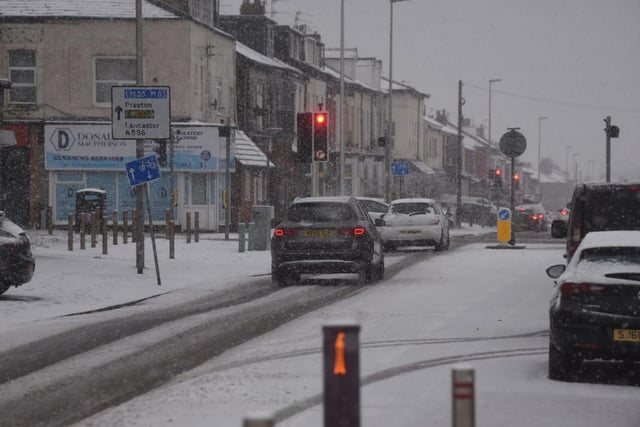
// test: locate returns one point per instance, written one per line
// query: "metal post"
(105, 233)
(172, 239)
(227, 181)
(341, 118)
(70, 232)
(242, 229)
(196, 227)
(125, 225)
(139, 225)
(258, 420)
(188, 231)
(512, 205)
(153, 239)
(540, 119)
(459, 159)
(463, 397)
(608, 148)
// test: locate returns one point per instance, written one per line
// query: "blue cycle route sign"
(504, 214)
(400, 168)
(143, 170)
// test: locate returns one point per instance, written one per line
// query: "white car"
(415, 222)
(375, 207)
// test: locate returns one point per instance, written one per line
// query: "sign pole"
(153, 238)
(139, 229)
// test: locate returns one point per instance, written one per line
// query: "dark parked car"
(599, 207)
(326, 235)
(595, 308)
(17, 263)
(530, 217)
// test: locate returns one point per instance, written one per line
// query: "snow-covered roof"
(81, 9)
(336, 74)
(422, 167)
(248, 153)
(255, 56)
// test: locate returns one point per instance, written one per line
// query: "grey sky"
(574, 61)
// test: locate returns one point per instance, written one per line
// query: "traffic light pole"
(512, 205)
(607, 131)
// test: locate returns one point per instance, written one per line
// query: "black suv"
(324, 235)
(599, 207)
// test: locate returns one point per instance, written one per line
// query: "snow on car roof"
(330, 199)
(616, 238)
(413, 200)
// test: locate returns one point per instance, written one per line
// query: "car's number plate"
(410, 231)
(628, 335)
(319, 233)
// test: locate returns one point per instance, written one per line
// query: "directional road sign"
(400, 168)
(143, 170)
(140, 112)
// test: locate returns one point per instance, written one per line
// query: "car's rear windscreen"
(611, 208)
(320, 212)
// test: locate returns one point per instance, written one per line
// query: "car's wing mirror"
(558, 228)
(556, 270)
(379, 222)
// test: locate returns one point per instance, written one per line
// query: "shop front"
(82, 155)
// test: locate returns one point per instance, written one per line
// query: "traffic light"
(161, 151)
(516, 181)
(305, 137)
(497, 177)
(320, 137)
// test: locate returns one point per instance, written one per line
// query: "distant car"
(324, 235)
(599, 207)
(17, 263)
(375, 207)
(415, 222)
(595, 308)
(530, 217)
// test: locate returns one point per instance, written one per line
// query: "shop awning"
(248, 153)
(422, 167)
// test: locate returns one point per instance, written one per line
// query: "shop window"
(22, 73)
(112, 71)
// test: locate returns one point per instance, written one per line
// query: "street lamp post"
(566, 162)
(491, 81)
(575, 164)
(540, 119)
(389, 137)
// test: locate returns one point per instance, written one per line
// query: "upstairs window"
(22, 73)
(112, 71)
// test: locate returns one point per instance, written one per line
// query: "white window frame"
(112, 82)
(16, 86)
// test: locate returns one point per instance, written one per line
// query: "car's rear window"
(625, 254)
(320, 212)
(612, 209)
(413, 208)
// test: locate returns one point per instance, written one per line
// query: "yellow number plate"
(318, 233)
(629, 335)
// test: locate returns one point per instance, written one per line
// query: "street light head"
(543, 118)
(494, 80)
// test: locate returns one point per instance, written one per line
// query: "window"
(260, 94)
(22, 73)
(110, 72)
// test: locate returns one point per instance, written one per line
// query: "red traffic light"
(516, 176)
(321, 118)
(498, 172)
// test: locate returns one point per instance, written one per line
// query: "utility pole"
(139, 220)
(610, 132)
(459, 159)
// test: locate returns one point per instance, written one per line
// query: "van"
(599, 207)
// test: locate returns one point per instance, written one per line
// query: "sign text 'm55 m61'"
(140, 112)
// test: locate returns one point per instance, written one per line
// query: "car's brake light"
(282, 232)
(540, 217)
(357, 231)
(533, 217)
(575, 289)
(564, 212)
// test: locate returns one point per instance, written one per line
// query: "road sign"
(140, 112)
(504, 225)
(513, 143)
(143, 170)
(400, 168)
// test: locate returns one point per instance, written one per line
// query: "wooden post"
(125, 221)
(188, 227)
(82, 231)
(70, 231)
(115, 228)
(50, 219)
(105, 234)
(94, 229)
(197, 227)
(172, 239)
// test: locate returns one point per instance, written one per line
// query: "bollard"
(258, 420)
(94, 231)
(115, 228)
(50, 220)
(125, 221)
(251, 229)
(105, 234)
(188, 227)
(341, 374)
(70, 231)
(167, 220)
(82, 231)
(196, 226)
(134, 227)
(172, 239)
(242, 229)
(463, 398)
